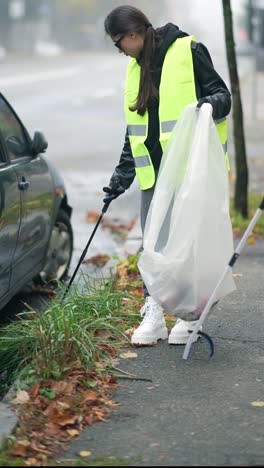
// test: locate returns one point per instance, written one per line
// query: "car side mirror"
(39, 143)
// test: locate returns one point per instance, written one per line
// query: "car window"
(12, 132)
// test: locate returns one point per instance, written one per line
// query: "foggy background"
(32, 25)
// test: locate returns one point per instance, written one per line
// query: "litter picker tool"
(107, 200)
(212, 300)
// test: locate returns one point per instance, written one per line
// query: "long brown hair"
(125, 19)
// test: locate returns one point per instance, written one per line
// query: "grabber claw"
(209, 341)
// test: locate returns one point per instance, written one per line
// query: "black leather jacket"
(207, 83)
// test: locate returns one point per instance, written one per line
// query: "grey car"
(36, 238)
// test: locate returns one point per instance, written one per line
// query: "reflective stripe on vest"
(174, 95)
(137, 130)
(142, 161)
(168, 126)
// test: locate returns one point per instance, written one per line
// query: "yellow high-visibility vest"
(177, 90)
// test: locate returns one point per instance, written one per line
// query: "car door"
(9, 219)
(36, 192)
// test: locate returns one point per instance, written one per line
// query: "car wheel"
(59, 252)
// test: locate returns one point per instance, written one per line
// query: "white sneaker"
(153, 326)
(180, 332)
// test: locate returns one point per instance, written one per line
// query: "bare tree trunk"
(241, 184)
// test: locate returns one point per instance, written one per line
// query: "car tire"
(59, 252)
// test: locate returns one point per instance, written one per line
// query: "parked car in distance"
(36, 237)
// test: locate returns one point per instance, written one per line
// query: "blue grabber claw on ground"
(214, 296)
(209, 340)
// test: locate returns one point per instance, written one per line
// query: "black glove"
(113, 190)
(202, 101)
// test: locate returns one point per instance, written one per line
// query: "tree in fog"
(241, 183)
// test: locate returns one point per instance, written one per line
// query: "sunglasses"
(117, 43)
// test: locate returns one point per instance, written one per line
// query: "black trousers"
(146, 197)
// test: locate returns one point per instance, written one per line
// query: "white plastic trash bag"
(188, 239)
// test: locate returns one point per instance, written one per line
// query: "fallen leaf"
(38, 289)
(64, 419)
(20, 448)
(100, 365)
(128, 355)
(100, 415)
(251, 240)
(99, 260)
(62, 386)
(88, 420)
(39, 448)
(90, 396)
(31, 462)
(63, 405)
(85, 453)
(21, 397)
(112, 403)
(52, 429)
(25, 443)
(73, 432)
(51, 408)
(258, 403)
(92, 216)
(35, 390)
(169, 318)
(104, 334)
(138, 292)
(256, 229)
(114, 226)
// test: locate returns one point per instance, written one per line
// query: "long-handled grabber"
(213, 299)
(108, 200)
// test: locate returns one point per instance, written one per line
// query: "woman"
(167, 71)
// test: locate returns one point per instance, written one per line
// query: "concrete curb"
(8, 416)
(8, 420)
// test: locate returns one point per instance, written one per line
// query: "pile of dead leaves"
(51, 413)
(49, 290)
(128, 276)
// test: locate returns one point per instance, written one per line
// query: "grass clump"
(86, 327)
(239, 223)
